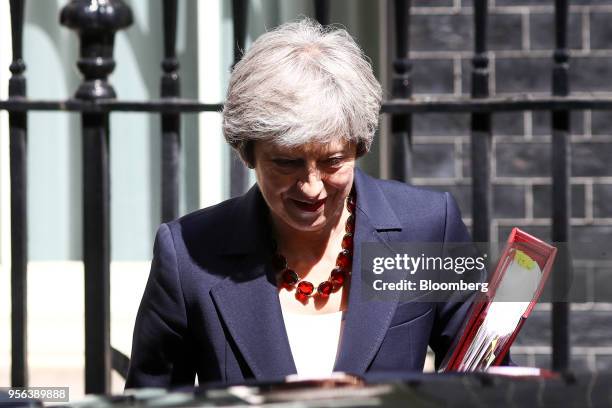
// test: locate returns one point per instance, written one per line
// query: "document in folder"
(495, 320)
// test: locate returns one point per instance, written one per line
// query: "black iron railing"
(18, 129)
(561, 193)
(95, 100)
(170, 121)
(401, 89)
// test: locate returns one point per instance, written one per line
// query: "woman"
(261, 285)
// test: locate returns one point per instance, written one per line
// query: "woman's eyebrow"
(285, 156)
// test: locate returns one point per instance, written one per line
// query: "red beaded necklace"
(338, 276)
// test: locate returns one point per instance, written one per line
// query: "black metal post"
(400, 145)
(322, 11)
(96, 22)
(561, 197)
(481, 131)
(18, 128)
(239, 175)
(170, 122)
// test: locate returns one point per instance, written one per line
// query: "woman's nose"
(312, 184)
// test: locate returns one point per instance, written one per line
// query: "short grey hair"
(301, 83)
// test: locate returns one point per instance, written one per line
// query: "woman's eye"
(333, 161)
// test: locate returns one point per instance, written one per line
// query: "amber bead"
(337, 277)
(306, 288)
(344, 259)
(347, 241)
(350, 204)
(289, 277)
(325, 288)
(350, 224)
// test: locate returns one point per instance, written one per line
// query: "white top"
(314, 340)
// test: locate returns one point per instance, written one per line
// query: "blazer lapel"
(366, 322)
(248, 299)
(251, 311)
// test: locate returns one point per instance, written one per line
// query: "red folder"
(540, 252)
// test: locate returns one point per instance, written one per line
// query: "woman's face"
(305, 187)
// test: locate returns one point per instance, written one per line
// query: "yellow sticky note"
(524, 260)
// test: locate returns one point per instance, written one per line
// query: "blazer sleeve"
(159, 355)
(451, 315)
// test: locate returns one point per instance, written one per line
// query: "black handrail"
(415, 104)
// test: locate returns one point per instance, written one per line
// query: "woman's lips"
(310, 207)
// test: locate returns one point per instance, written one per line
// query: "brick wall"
(521, 40)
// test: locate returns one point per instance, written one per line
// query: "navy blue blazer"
(211, 305)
